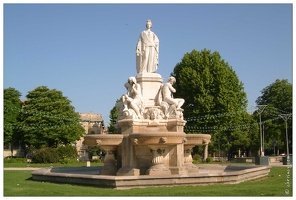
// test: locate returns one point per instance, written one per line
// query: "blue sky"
(87, 51)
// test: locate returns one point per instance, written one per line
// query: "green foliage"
(94, 151)
(62, 154)
(208, 83)
(69, 152)
(49, 120)
(46, 155)
(209, 159)
(197, 158)
(278, 100)
(214, 99)
(15, 160)
(12, 104)
(277, 95)
(113, 118)
(197, 150)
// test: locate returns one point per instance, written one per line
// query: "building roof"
(91, 117)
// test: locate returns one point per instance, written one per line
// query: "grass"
(78, 164)
(20, 183)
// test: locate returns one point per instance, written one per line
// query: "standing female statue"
(147, 51)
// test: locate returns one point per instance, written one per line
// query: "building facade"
(92, 124)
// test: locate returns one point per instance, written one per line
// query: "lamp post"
(263, 149)
(219, 148)
(285, 117)
(260, 111)
(274, 144)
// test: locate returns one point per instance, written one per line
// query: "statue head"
(149, 24)
(132, 80)
(171, 80)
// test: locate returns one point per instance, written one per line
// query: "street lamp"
(260, 111)
(285, 117)
(219, 148)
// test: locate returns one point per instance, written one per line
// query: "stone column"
(188, 160)
(127, 168)
(206, 143)
(206, 152)
(187, 155)
(177, 159)
(109, 167)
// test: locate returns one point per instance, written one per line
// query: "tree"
(49, 120)
(113, 118)
(215, 101)
(278, 98)
(277, 95)
(12, 107)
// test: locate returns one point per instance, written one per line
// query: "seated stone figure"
(168, 103)
(133, 100)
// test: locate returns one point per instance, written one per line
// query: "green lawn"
(17, 165)
(20, 183)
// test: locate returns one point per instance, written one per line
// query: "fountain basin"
(192, 140)
(158, 138)
(103, 140)
(209, 174)
(197, 139)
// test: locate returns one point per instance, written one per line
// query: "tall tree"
(48, 119)
(277, 97)
(215, 101)
(114, 117)
(12, 107)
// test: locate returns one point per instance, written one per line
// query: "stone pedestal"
(150, 84)
(287, 160)
(261, 160)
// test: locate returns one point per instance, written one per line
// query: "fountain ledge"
(228, 174)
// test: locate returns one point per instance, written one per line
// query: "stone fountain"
(151, 147)
(151, 140)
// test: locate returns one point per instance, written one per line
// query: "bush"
(209, 159)
(15, 160)
(94, 151)
(69, 152)
(45, 155)
(197, 158)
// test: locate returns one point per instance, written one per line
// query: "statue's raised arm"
(147, 51)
